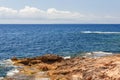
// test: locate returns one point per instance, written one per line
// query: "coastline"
(54, 67)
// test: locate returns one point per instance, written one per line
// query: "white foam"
(1, 78)
(67, 57)
(99, 32)
(97, 54)
(12, 72)
(6, 63)
(9, 64)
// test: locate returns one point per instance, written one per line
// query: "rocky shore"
(54, 67)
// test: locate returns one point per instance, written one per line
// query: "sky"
(59, 11)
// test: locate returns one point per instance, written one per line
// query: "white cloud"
(30, 12)
(57, 14)
(33, 14)
(111, 17)
(7, 12)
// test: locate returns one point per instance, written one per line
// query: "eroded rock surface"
(78, 68)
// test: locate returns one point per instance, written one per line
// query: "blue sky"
(59, 11)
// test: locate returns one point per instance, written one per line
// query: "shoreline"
(54, 67)
(8, 68)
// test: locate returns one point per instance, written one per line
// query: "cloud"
(53, 13)
(32, 14)
(111, 17)
(7, 12)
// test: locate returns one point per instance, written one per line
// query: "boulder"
(51, 58)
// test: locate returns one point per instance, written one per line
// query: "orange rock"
(57, 68)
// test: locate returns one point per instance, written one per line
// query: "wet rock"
(34, 62)
(20, 77)
(14, 59)
(50, 58)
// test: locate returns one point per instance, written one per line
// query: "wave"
(1, 78)
(12, 72)
(97, 54)
(6, 63)
(99, 32)
(7, 68)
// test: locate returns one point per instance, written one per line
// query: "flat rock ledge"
(54, 67)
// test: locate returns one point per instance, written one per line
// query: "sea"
(30, 40)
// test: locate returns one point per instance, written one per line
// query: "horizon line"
(57, 23)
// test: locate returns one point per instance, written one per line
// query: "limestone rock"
(78, 68)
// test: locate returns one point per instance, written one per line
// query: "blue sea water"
(28, 40)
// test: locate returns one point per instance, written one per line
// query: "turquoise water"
(63, 39)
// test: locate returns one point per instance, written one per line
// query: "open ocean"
(28, 40)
